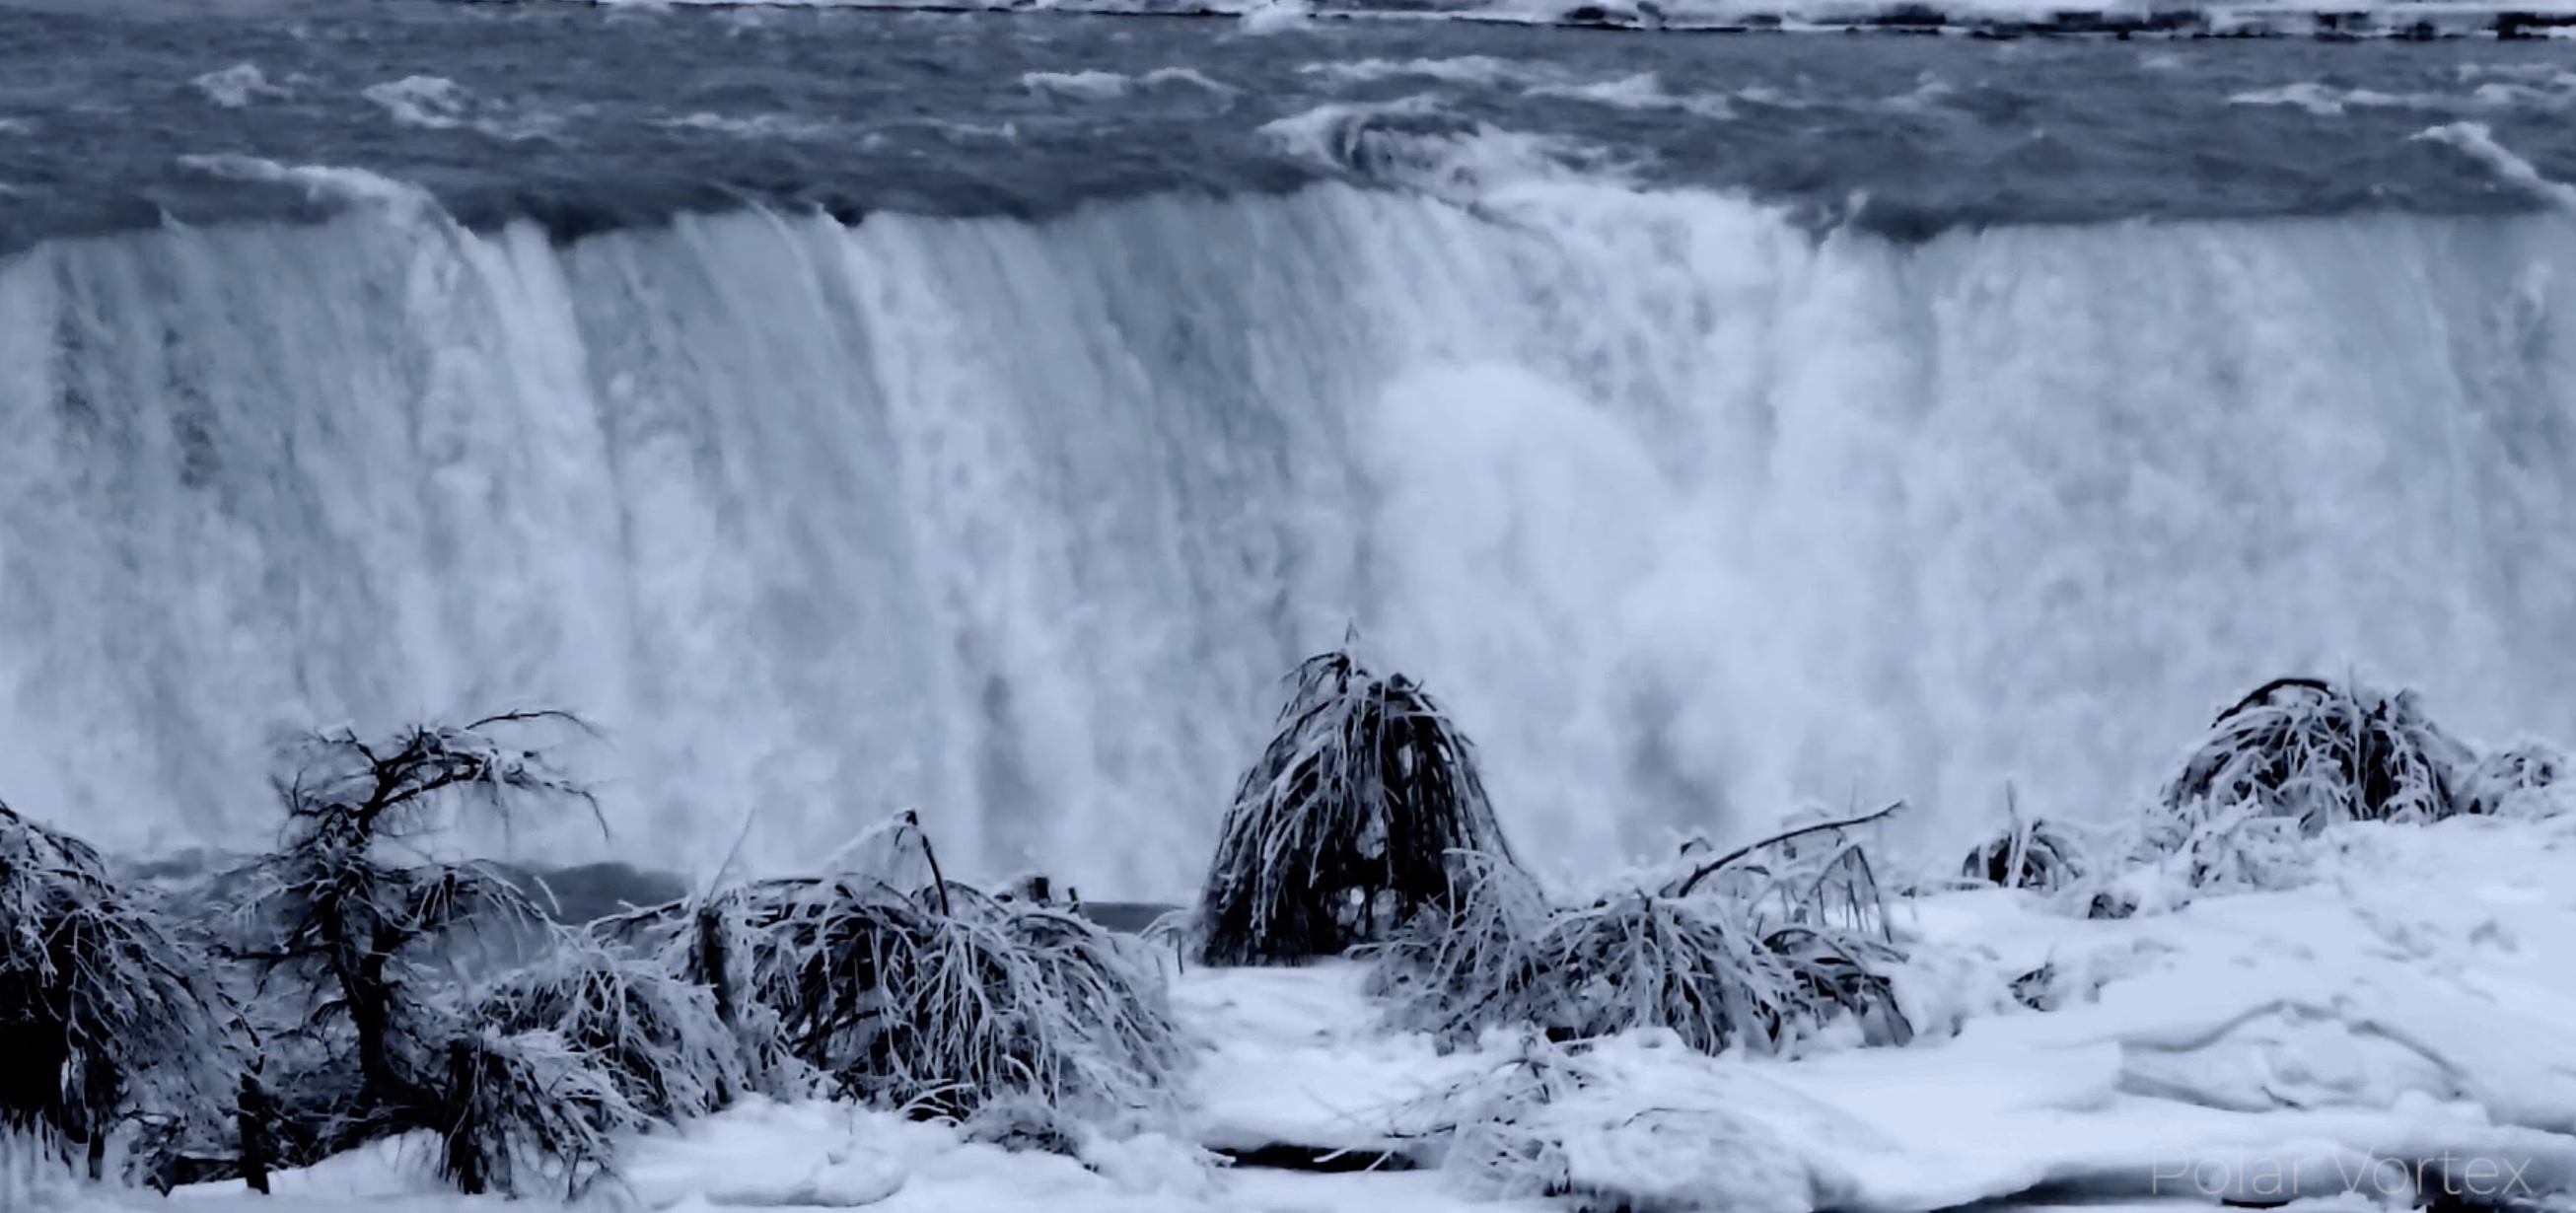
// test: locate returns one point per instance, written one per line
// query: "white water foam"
(1641, 91)
(754, 126)
(2478, 140)
(1459, 69)
(322, 182)
(2498, 87)
(1635, 91)
(1687, 515)
(1100, 85)
(1417, 143)
(237, 86)
(439, 104)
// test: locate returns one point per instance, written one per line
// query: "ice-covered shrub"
(1348, 825)
(108, 1010)
(2031, 853)
(2290, 760)
(1111, 988)
(943, 1008)
(2208, 847)
(1498, 1141)
(733, 944)
(705, 947)
(1754, 948)
(1464, 966)
(1717, 973)
(1606, 1124)
(514, 1107)
(656, 1035)
(1815, 873)
(884, 982)
(376, 1044)
(2524, 780)
(2319, 753)
(1694, 965)
(356, 926)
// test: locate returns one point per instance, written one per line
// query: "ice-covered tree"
(363, 938)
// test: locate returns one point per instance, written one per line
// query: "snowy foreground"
(2406, 1017)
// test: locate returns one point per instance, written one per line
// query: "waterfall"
(1685, 513)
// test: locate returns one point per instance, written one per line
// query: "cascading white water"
(1685, 515)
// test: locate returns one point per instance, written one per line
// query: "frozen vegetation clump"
(521, 1109)
(656, 1035)
(1477, 963)
(110, 1014)
(1607, 1125)
(1353, 820)
(1499, 1143)
(904, 990)
(2296, 757)
(2528, 779)
(2030, 853)
(1757, 948)
(2209, 847)
(2319, 754)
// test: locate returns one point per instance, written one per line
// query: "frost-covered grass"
(1760, 946)
(2029, 853)
(2319, 753)
(902, 1005)
(893, 986)
(527, 1111)
(656, 1036)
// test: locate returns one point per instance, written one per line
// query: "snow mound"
(2394, 1023)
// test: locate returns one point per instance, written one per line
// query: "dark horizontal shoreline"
(575, 894)
(2418, 22)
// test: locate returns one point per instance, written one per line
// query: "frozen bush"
(1349, 825)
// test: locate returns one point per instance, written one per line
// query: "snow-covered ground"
(2407, 1016)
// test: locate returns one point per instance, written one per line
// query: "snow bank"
(2398, 1019)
